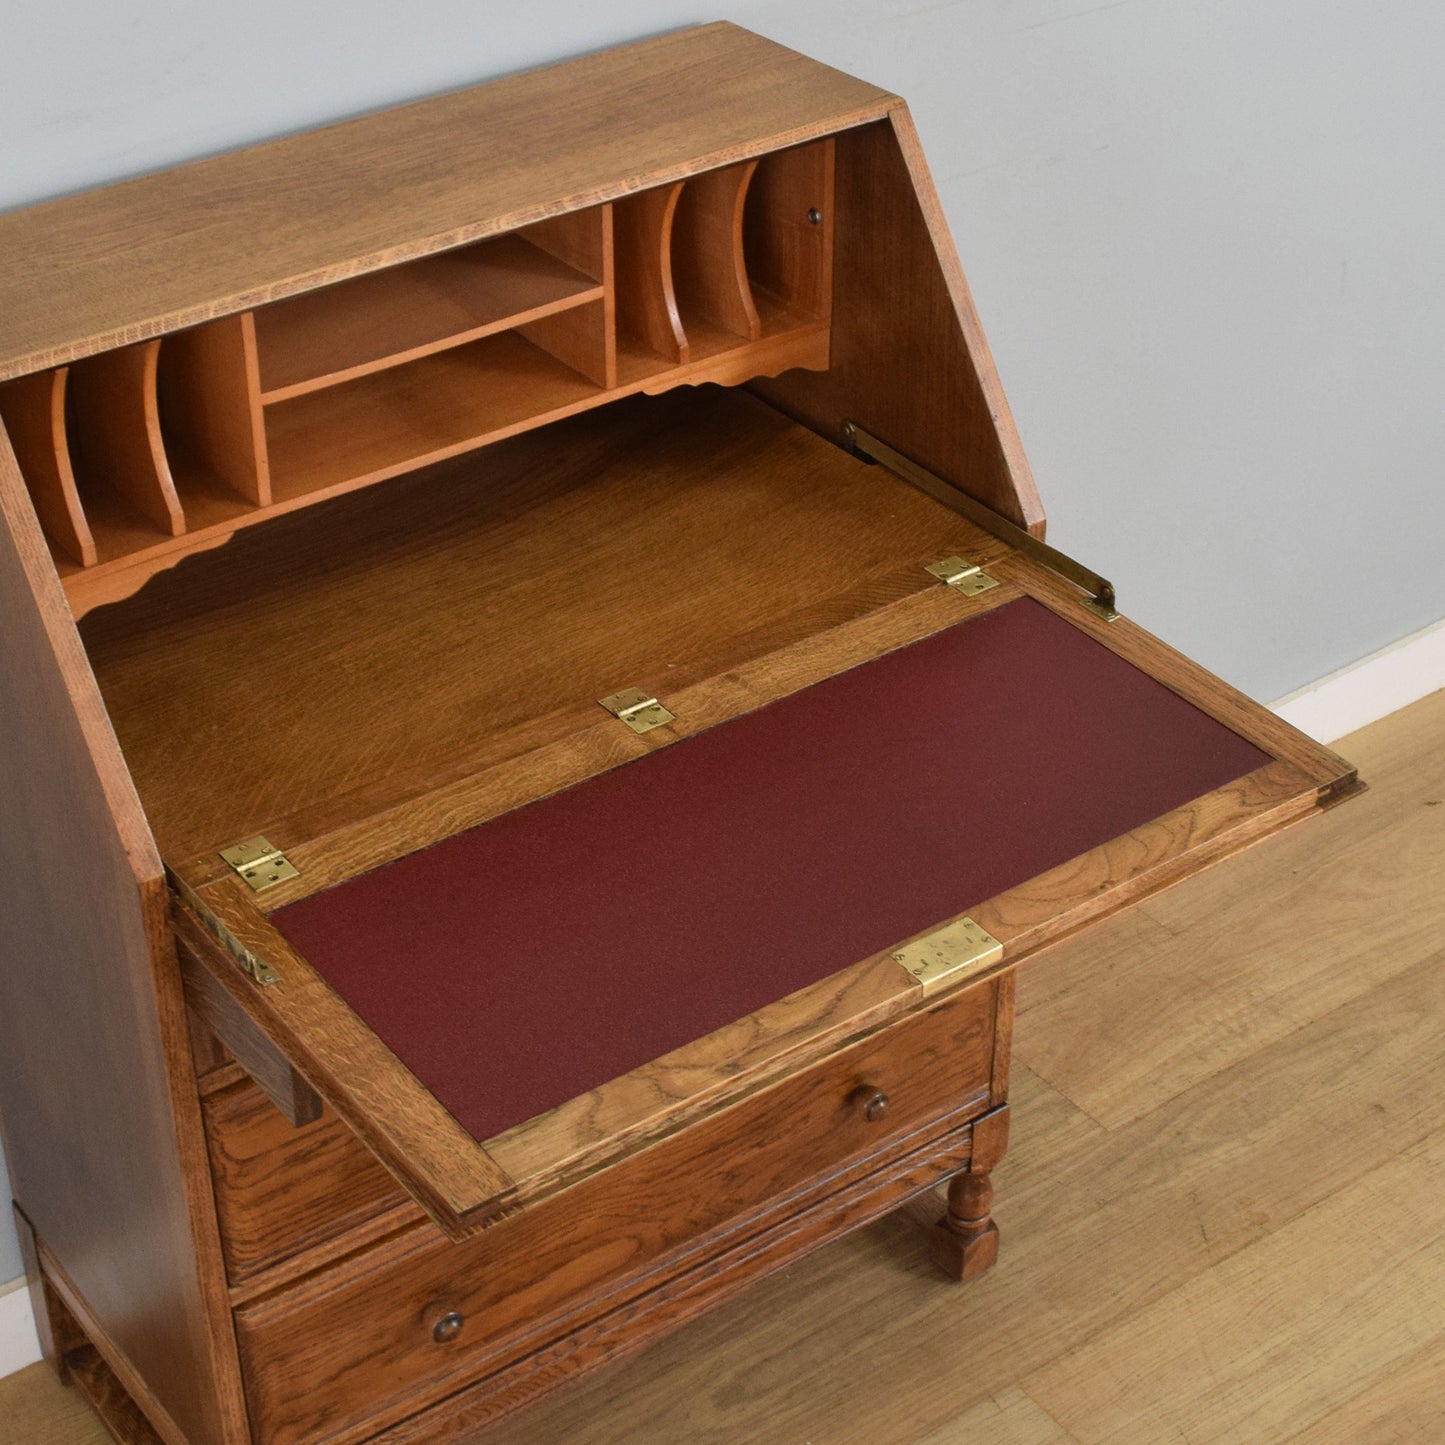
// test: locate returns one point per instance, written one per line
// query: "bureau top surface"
(134, 260)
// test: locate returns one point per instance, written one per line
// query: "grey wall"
(1207, 239)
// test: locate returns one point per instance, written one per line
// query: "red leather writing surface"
(539, 955)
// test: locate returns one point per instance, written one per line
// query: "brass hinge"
(639, 710)
(963, 576)
(948, 954)
(256, 969)
(261, 865)
(1101, 599)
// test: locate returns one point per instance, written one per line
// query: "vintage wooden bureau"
(535, 725)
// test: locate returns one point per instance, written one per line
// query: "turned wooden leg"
(964, 1241)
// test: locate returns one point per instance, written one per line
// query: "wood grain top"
(164, 251)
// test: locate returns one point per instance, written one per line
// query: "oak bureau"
(538, 722)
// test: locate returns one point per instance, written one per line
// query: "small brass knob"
(448, 1327)
(870, 1102)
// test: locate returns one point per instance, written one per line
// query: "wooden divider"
(646, 301)
(115, 433)
(583, 337)
(211, 399)
(714, 298)
(33, 410)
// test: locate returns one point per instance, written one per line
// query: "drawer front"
(341, 1352)
(280, 1190)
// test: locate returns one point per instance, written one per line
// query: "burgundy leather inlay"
(532, 958)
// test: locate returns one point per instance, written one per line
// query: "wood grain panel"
(282, 1190)
(788, 229)
(90, 1026)
(177, 248)
(777, 534)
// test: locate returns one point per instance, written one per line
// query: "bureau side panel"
(90, 1129)
(909, 361)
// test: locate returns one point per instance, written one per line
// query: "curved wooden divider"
(211, 385)
(116, 432)
(33, 410)
(708, 263)
(646, 297)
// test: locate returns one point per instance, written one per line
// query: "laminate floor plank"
(1401, 1405)
(36, 1409)
(1277, 1335)
(1153, 1021)
(1008, 1418)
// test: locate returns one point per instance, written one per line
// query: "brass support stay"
(1100, 589)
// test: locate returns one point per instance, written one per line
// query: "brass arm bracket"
(1100, 589)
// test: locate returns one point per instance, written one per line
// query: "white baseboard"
(19, 1345)
(1371, 688)
(1361, 693)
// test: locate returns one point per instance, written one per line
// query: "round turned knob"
(448, 1327)
(870, 1102)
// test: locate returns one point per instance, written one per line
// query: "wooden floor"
(1223, 1211)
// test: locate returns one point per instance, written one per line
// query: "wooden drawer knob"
(448, 1327)
(870, 1102)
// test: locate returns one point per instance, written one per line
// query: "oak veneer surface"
(724, 873)
(171, 249)
(710, 529)
(279, 1189)
(89, 1125)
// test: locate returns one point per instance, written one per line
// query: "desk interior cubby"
(140, 456)
(360, 654)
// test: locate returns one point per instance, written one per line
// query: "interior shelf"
(398, 315)
(393, 420)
